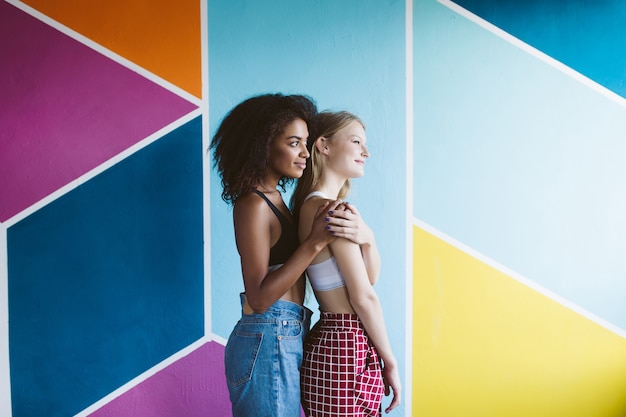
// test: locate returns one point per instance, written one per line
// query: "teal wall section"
(100, 274)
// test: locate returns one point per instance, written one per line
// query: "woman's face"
(347, 151)
(288, 151)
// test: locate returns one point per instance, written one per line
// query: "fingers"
(345, 232)
(332, 220)
(394, 404)
(342, 208)
(343, 215)
(392, 383)
(395, 401)
(321, 209)
(336, 213)
(333, 205)
(352, 208)
(342, 222)
(339, 213)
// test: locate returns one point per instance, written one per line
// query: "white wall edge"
(520, 278)
(535, 52)
(5, 378)
(106, 52)
(206, 167)
(102, 167)
(144, 376)
(409, 126)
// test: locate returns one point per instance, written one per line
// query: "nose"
(304, 152)
(365, 152)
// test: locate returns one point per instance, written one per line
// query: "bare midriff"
(295, 294)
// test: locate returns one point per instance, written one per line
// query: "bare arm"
(362, 298)
(366, 304)
(346, 222)
(253, 233)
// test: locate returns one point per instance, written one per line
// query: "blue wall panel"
(588, 36)
(107, 281)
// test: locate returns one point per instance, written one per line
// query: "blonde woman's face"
(347, 151)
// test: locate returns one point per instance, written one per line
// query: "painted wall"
(346, 55)
(518, 191)
(495, 188)
(101, 178)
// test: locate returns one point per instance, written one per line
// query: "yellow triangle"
(486, 345)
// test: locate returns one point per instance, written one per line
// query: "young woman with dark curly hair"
(259, 147)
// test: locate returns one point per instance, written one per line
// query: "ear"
(321, 144)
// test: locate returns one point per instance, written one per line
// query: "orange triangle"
(161, 36)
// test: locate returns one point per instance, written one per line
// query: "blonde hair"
(326, 125)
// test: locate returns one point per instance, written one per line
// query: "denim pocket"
(240, 356)
(290, 329)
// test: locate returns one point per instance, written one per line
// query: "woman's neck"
(330, 185)
(268, 185)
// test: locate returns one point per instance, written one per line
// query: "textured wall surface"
(102, 211)
(519, 240)
(495, 187)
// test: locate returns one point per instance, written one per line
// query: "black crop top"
(288, 241)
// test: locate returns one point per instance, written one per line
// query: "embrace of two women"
(275, 363)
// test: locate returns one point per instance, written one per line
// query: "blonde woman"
(348, 362)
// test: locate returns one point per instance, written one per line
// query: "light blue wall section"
(588, 36)
(520, 161)
(346, 55)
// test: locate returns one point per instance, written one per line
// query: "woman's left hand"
(346, 221)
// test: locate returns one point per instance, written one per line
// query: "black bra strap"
(275, 209)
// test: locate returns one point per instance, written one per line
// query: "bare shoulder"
(310, 207)
(250, 208)
(309, 210)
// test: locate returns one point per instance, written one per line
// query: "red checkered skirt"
(341, 373)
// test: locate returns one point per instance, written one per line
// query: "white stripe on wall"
(5, 380)
(519, 278)
(535, 52)
(206, 165)
(408, 370)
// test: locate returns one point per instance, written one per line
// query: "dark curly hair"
(241, 144)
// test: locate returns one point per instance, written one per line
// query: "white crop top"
(324, 276)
